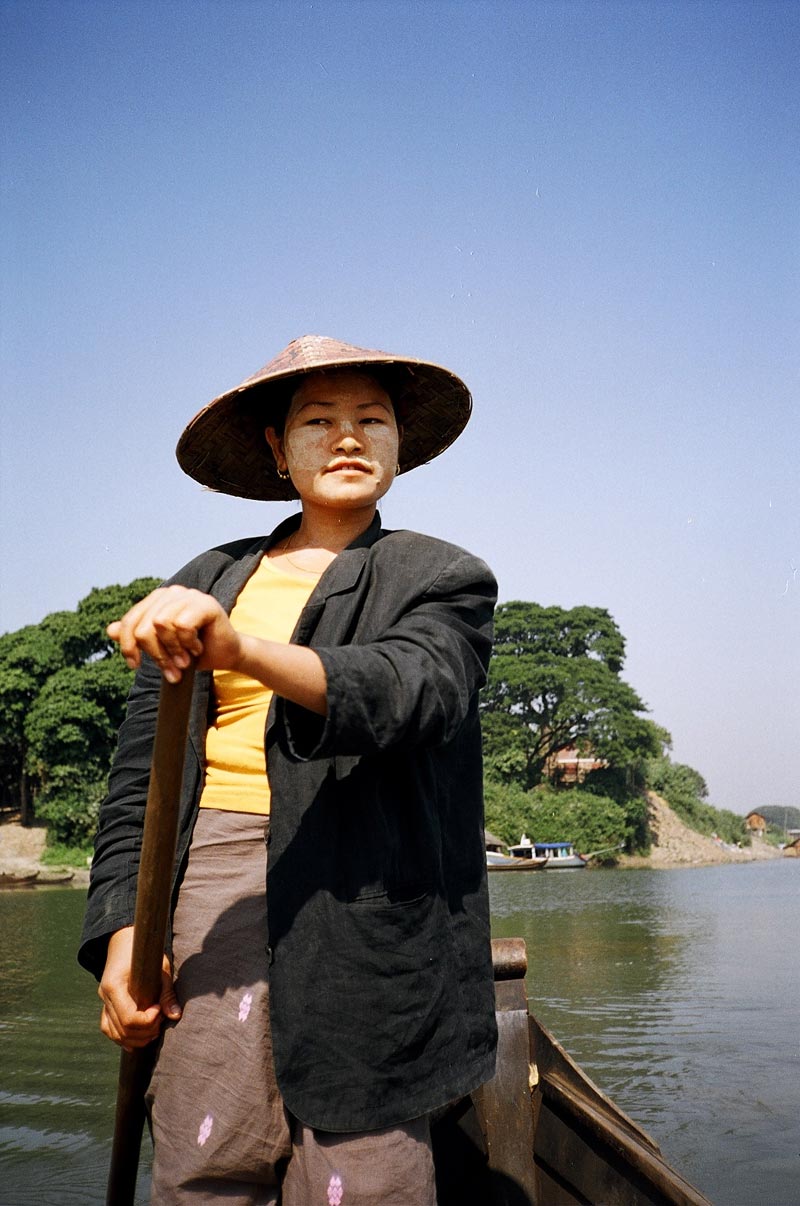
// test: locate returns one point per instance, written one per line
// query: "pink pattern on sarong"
(244, 1006)
(205, 1130)
(335, 1191)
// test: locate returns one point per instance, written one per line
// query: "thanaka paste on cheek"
(307, 447)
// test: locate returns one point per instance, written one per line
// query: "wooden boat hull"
(541, 1133)
(33, 879)
(556, 856)
(18, 879)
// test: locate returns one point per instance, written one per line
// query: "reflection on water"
(58, 1078)
(675, 990)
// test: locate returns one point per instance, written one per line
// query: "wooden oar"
(150, 924)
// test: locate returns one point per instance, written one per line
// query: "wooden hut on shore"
(756, 824)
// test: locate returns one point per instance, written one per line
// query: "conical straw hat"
(224, 447)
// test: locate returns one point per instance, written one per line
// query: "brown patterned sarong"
(220, 1129)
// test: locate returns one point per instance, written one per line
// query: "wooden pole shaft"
(150, 924)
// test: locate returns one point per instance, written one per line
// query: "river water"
(677, 991)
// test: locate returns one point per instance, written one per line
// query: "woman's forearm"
(174, 624)
(292, 671)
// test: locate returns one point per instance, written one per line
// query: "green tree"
(554, 681)
(75, 717)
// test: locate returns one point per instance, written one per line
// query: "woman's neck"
(321, 528)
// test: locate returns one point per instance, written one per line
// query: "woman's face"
(340, 441)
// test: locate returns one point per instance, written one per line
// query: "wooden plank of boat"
(541, 1133)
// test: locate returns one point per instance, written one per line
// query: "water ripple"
(29, 1139)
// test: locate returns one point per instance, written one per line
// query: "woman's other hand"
(121, 1019)
(173, 625)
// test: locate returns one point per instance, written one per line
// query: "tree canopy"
(554, 682)
(63, 688)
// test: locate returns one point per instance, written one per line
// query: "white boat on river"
(557, 856)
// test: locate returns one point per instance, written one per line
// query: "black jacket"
(381, 990)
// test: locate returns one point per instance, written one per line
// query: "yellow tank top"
(269, 607)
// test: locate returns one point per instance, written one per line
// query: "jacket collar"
(344, 571)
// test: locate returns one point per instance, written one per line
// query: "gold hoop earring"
(397, 470)
(283, 474)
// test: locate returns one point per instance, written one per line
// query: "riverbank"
(674, 845)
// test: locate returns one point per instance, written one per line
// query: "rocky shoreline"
(674, 845)
(21, 855)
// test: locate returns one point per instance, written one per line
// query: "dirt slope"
(676, 845)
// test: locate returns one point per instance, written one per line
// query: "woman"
(311, 1029)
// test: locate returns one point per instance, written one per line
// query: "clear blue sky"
(588, 210)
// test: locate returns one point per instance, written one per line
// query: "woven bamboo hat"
(224, 446)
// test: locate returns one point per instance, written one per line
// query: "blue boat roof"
(552, 845)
